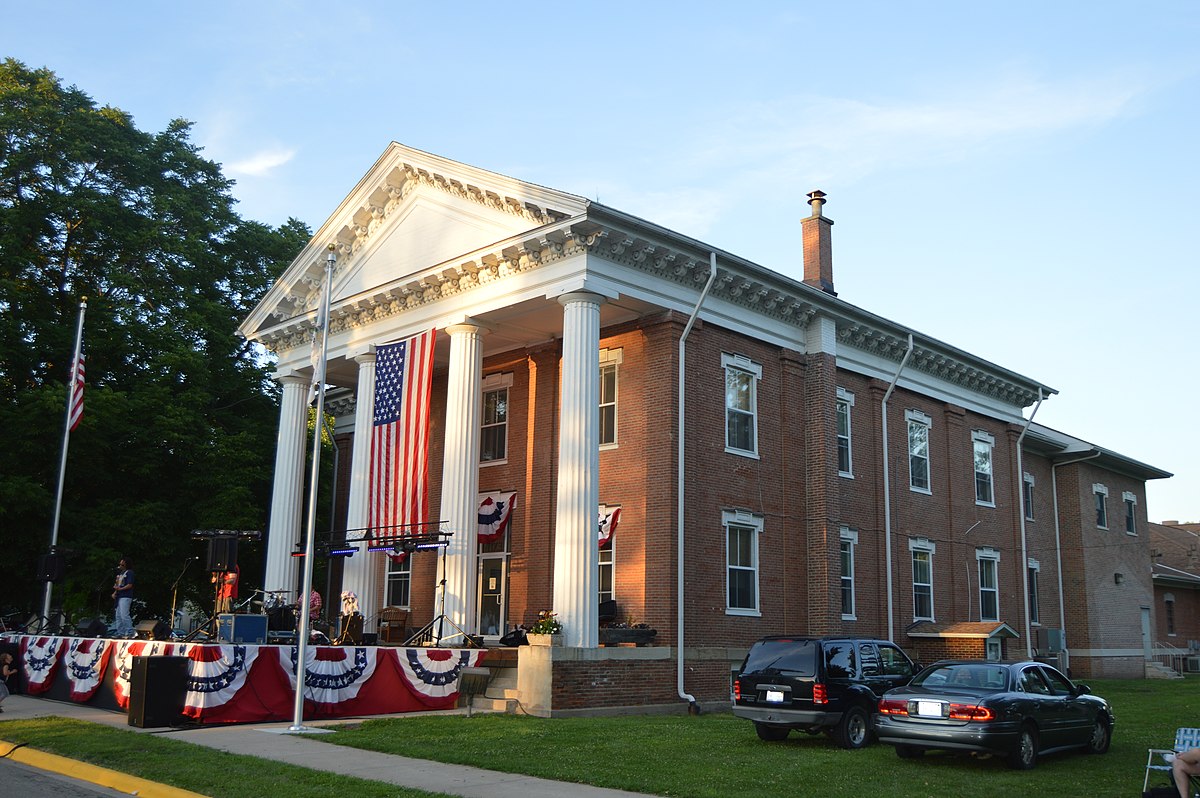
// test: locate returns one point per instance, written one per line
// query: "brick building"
(1175, 554)
(741, 422)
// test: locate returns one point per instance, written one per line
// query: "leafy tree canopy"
(178, 429)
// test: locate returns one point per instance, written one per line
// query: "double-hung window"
(918, 450)
(493, 433)
(1027, 484)
(989, 583)
(610, 359)
(741, 404)
(983, 443)
(1034, 568)
(1130, 500)
(922, 578)
(742, 530)
(1100, 494)
(845, 401)
(399, 575)
(1169, 612)
(849, 541)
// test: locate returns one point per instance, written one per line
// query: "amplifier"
(242, 628)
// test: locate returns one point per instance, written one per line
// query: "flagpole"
(62, 464)
(310, 531)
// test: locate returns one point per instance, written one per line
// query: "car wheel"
(771, 734)
(854, 729)
(1101, 737)
(909, 752)
(1025, 755)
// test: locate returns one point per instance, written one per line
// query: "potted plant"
(547, 631)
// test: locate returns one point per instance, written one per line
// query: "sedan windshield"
(955, 676)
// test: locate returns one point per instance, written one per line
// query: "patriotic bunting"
(495, 510)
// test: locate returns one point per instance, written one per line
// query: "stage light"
(346, 552)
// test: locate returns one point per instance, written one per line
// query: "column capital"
(467, 327)
(292, 378)
(363, 358)
(581, 296)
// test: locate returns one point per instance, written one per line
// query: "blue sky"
(1018, 179)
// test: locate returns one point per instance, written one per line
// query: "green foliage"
(178, 430)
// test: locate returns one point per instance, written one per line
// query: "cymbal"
(277, 591)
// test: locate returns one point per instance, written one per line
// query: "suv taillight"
(819, 694)
(737, 689)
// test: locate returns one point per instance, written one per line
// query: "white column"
(288, 492)
(576, 554)
(360, 573)
(460, 472)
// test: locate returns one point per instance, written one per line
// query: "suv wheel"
(854, 729)
(771, 734)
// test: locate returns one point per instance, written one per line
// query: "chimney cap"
(816, 198)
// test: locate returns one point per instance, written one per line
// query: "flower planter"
(638, 637)
(544, 640)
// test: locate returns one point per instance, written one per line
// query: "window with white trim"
(610, 359)
(849, 539)
(1034, 568)
(922, 578)
(1100, 493)
(741, 404)
(1130, 500)
(1169, 612)
(918, 450)
(1027, 484)
(399, 576)
(845, 401)
(493, 432)
(983, 443)
(742, 529)
(606, 571)
(988, 560)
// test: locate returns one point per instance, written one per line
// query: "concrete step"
(1156, 670)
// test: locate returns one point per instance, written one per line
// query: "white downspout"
(693, 707)
(1062, 609)
(887, 492)
(1021, 514)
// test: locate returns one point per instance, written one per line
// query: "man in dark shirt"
(123, 595)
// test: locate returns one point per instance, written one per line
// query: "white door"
(492, 581)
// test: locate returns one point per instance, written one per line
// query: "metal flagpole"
(310, 531)
(62, 464)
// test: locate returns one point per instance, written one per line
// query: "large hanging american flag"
(76, 413)
(399, 475)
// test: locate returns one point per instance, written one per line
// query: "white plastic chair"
(1185, 740)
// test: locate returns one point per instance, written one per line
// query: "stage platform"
(246, 683)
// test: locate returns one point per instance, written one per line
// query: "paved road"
(21, 780)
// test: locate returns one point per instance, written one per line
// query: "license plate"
(929, 709)
(775, 696)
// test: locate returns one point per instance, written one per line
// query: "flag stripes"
(76, 413)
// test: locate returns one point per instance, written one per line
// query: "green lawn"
(694, 757)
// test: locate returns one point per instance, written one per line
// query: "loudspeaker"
(157, 691)
(153, 629)
(90, 627)
(51, 567)
(242, 628)
(222, 554)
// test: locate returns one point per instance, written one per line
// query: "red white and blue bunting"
(434, 672)
(609, 518)
(85, 662)
(495, 510)
(217, 673)
(333, 674)
(41, 656)
(123, 652)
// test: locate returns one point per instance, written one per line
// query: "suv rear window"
(779, 656)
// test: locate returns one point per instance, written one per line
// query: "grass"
(192, 767)
(689, 757)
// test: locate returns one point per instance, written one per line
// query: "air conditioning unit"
(1050, 641)
(1191, 664)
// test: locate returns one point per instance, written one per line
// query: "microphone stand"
(175, 591)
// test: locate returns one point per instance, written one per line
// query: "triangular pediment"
(409, 213)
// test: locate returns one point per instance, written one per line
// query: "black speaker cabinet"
(90, 627)
(222, 554)
(153, 629)
(51, 567)
(157, 691)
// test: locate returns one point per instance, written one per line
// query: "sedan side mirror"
(1082, 689)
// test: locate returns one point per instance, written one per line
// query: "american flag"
(76, 413)
(399, 475)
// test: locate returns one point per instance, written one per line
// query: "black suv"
(829, 684)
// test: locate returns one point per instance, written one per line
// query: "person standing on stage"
(123, 595)
(227, 588)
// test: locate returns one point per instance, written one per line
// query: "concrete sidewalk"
(268, 741)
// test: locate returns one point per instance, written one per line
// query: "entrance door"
(492, 579)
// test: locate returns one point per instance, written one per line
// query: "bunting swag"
(41, 655)
(398, 487)
(123, 653)
(86, 661)
(609, 518)
(495, 510)
(334, 675)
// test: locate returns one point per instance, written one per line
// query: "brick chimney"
(818, 246)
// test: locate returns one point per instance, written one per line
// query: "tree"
(178, 430)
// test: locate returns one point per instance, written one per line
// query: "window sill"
(486, 463)
(925, 491)
(846, 474)
(743, 613)
(741, 452)
(985, 504)
(849, 617)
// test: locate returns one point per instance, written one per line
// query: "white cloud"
(260, 163)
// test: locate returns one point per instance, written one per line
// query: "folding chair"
(1185, 739)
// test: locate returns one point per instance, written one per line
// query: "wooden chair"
(1185, 740)
(393, 622)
